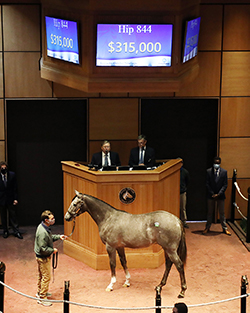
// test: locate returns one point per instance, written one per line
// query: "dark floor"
(214, 268)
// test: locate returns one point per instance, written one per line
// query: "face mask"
(51, 222)
(3, 171)
(216, 166)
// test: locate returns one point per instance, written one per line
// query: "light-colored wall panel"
(207, 83)
(235, 153)
(113, 118)
(211, 27)
(236, 27)
(235, 114)
(1, 75)
(21, 27)
(122, 147)
(2, 150)
(61, 91)
(235, 74)
(2, 136)
(22, 76)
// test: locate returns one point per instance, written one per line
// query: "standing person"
(180, 308)
(142, 155)
(216, 184)
(184, 181)
(8, 200)
(44, 249)
(106, 157)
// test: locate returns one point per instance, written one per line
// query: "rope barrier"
(238, 209)
(122, 309)
(238, 188)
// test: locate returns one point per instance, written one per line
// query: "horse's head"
(76, 207)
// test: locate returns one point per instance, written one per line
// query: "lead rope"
(55, 255)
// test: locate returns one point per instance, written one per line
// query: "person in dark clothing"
(216, 184)
(180, 308)
(142, 155)
(184, 181)
(106, 157)
(8, 200)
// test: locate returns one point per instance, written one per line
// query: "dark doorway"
(41, 134)
(185, 128)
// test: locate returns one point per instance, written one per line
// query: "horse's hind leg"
(123, 261)
(112, 262)
(168, 265)
(180, 267)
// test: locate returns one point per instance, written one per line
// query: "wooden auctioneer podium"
(149, 190)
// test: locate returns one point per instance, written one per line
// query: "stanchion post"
(158, 299)
(248, 217)
(66, 297)
(244, 284)
(233, 196)
(2, 272)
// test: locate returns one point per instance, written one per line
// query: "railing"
(236, 188)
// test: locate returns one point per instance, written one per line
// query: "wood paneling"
(67, 92)
(235, 74)
(2, 150)
(1, 38)
(235, 153)
(207, 84)
(211, 27)
(235, 113)
(21, 27)
(113, 119)
(122, 147)
(1, 75)
(236, 27)
(2, 134)
(22, 76)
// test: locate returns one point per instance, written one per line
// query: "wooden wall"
(224, 58)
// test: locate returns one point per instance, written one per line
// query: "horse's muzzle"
(68, 217)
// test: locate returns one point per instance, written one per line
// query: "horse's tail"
(182, 249)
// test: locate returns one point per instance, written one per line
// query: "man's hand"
(55, 251)
(63, 237)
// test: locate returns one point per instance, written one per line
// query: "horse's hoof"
(126, 285)
(181, 295)
(109, 289)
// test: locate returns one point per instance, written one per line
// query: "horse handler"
(44, 249)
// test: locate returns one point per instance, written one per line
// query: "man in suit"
(105, 157)
(216, 184)
(8, 200)
(142, 155)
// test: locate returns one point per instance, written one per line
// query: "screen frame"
(134, 67)
(78, 34)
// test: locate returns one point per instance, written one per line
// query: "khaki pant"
(44, 276)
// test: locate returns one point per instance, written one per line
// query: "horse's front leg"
(123, 261)
(112, 262)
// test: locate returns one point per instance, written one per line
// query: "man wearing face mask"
(216, 184)
(44, 249)
(8, 200)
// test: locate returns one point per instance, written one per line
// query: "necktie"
(141, 156)
(106, 160)
(216, 175)
(5, 180)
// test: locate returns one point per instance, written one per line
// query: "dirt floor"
(214, 268)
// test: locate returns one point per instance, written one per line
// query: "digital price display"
(62, 39)
(191, 39)
(134, 45)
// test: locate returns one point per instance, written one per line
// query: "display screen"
(62, 39)
(134, 45)
(191, 39)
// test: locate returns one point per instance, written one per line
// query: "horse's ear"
(79, 195)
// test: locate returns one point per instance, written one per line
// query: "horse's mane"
(99, 200)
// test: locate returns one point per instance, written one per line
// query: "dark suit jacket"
(8, 194)
(149, 157)
(218, 187)
(97, 159)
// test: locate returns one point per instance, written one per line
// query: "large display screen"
(191, 39)
(62, 39)
(134, 45)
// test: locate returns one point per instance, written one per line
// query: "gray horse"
(119, 229)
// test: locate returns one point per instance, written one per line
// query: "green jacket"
(44, 241)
